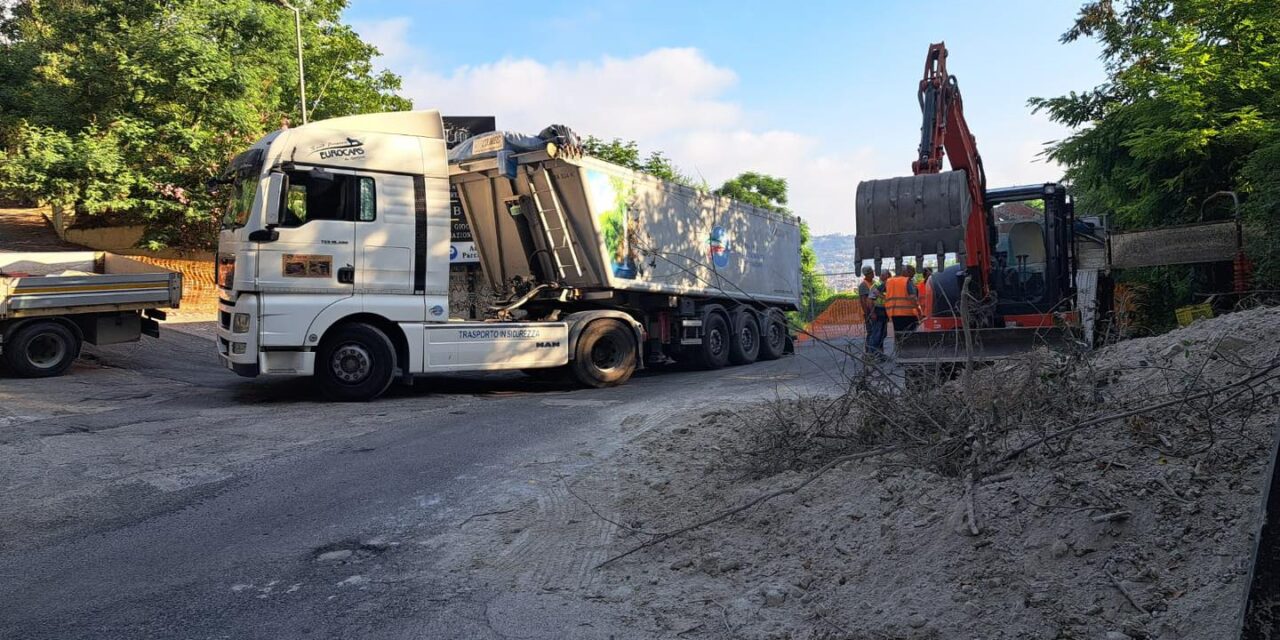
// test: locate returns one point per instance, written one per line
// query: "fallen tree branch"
(602, 516)
(487, 513)
(1111, 517)
(1127, 595)
(753, 502)
(1009, 457)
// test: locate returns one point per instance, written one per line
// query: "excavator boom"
(933, 211)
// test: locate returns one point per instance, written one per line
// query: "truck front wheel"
(41, 349)
(355, 362)
(605, 355)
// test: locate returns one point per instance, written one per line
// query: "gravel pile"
(1141, 527)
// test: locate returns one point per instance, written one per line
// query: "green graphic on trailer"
(617, 221)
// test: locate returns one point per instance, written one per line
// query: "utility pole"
(302, 81)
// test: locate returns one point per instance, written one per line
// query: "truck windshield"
(241, 184)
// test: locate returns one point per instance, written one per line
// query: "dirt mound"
(1130, 511)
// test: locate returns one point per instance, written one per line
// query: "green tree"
(627, 154)
(770, 192)
(120, 110)
(1193, 89)
(1191, 106)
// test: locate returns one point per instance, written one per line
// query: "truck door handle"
(347, 275)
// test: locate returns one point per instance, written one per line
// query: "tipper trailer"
(53, 302)
(334, 255)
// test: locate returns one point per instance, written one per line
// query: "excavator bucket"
(911, 216)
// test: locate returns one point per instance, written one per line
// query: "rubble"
(1138, 526)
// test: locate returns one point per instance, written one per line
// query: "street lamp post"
(302, 81)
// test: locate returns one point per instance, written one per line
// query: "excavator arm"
(933, 211)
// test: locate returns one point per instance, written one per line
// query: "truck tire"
(41, 349)
(355, 362)
(773, 336)
(713, 353)
(605, 355)
(744, 348)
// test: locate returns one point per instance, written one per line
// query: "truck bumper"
(238, 351)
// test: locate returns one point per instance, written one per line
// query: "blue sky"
(820, 93)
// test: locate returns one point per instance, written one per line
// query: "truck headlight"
(240, 323)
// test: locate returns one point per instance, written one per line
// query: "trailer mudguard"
(579, 321)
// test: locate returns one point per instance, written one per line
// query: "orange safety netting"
(843, 319)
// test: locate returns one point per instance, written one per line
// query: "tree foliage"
(120, 110)
(627, 154)
(1191, 106)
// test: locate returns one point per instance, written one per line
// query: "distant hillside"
(835, 255)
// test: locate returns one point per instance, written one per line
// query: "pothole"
(350, 550)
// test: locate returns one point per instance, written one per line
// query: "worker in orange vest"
(901, 300)
(926, 293)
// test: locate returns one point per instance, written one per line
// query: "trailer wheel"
(605, 355)
(744, 348)
(713, 353)
(42, 349)
(355, 362)
(773, 342)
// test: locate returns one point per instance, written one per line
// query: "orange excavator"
(1005, 267)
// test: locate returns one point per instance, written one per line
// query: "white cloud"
(658, 92)
(667, 99)
(676, 100)
(390, 36)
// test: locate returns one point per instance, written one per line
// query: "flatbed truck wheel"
(355, 362)
(773, 336)
(41, 349)
(744, 347)
(605, 355)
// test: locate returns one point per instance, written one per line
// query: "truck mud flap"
(989, 345)
(911, 216)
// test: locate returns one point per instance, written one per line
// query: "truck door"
(385, 234)
(315, 250)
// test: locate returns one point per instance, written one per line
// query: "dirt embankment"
(1114, 496)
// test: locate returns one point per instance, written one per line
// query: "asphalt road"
(151, 494)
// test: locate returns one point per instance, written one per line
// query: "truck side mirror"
(276, 184)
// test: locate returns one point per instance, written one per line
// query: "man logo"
(547, 345)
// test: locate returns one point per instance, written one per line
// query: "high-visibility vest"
(926, 297)
(898, 298)
(879, 294)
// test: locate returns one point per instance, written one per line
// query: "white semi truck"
(334, 261)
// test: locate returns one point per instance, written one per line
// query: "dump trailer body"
(599, 226)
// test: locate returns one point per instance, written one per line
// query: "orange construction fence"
(842, 319)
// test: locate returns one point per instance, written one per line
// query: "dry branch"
(758, 500)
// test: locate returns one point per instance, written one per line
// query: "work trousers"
(877, 328)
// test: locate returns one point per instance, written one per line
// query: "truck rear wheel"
(744, 348)
(713, 353)
(355, 362)
(605, 355)
(773, 339)
(41, 349)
